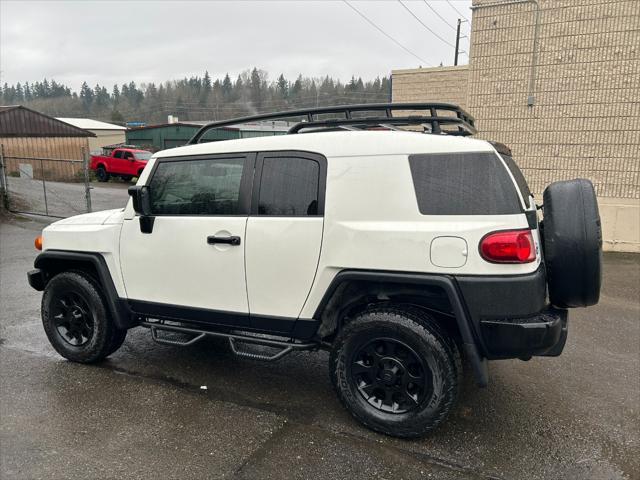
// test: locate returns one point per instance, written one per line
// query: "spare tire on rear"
(572, 242)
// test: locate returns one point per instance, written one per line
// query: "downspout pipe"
(536, 30)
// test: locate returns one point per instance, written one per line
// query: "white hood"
(95, 218)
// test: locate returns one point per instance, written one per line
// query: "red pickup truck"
(123, 162)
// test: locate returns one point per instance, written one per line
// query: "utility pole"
(455, 59)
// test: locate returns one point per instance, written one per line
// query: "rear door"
(284, 236)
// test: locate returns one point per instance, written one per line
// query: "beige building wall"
(443, 84)
(567, 102)
(104, 138)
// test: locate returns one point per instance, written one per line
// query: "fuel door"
(449, 252)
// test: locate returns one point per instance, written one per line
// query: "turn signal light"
(512, 246)
(38, 242)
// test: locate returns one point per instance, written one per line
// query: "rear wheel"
(102, 174)
(395, 371)
(76, 319)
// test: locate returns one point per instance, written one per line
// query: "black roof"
(19, 121)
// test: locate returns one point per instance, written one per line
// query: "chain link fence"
(53, 187)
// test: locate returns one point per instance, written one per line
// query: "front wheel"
(77, 320)
(395, 371)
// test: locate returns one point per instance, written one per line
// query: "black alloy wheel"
(73, 319)
(390, 375)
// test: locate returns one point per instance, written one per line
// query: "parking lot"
(144, 411)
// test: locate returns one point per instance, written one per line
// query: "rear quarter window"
(469, 183)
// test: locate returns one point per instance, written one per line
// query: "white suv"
(397, 251)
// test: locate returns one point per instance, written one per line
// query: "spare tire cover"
(572, 243)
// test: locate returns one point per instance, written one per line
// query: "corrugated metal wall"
(28, 150)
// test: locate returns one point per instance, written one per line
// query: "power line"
(440, 16)
(423, 24)
(451, 5)
(385, 33)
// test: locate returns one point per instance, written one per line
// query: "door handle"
(233, 240)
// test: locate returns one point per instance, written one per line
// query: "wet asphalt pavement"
(143, 414)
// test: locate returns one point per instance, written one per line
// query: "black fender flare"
(445, 282)
(51, 262)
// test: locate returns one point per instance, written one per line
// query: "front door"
(192, 265)
(284, 236)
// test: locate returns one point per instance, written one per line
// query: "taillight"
(511, 246)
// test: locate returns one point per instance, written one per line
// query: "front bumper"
(37, 279)
(542, 334)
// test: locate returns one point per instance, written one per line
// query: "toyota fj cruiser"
(397, 251)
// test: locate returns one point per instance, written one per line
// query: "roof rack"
(378, 115)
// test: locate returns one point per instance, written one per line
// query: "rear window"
(523, 186)
(470, 183)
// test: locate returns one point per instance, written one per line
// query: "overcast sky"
(109, 42)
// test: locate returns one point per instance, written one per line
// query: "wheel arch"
(354, 290)
(53, 262)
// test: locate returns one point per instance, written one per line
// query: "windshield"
(143, 155)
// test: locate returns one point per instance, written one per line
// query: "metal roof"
(19, 121)
(90, 124)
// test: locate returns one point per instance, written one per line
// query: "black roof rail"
(464, 123)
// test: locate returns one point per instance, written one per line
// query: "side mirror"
(141, 199)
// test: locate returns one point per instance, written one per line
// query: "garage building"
(105, 133)
(176, 134)
(32, 144)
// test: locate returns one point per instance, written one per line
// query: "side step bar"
(235, 339)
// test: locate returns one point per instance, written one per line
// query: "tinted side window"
(118, 154)
(128, 155)
(197, 187)
(463, 184)
(519, 177)
(289, 187)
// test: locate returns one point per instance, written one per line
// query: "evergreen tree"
(86, 96)
(227, 87)
(282, 87)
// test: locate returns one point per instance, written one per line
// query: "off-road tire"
(105, 337)
(101, 174)
(420, 332)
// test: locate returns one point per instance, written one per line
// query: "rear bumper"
(543, 334)
(510, 316)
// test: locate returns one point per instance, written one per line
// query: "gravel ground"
(143, 414)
